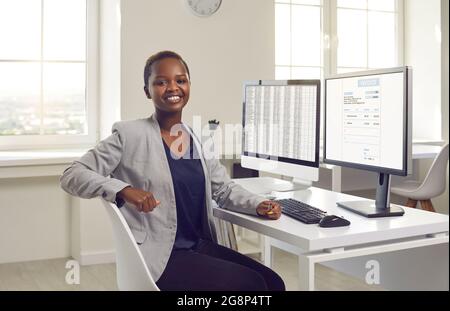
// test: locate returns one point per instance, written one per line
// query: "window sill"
(36, 163)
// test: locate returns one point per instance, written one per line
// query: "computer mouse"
(331, 221)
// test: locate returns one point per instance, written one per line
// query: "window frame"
(331, 31)
(329, 43)
(330, 39)
(322, 41)
(34, 142)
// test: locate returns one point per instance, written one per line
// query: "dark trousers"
(210, 266)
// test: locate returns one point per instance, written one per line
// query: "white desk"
(417, 241)
(425, 151)
(419, 151)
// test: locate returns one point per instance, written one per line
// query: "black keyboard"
(301, 211)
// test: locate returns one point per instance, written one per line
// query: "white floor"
(51, 274)
(286, 265)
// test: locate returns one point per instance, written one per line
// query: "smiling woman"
(169, 90)
(171, 198)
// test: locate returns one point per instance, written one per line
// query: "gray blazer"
(134, 155)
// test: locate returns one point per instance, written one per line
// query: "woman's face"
(169, 85)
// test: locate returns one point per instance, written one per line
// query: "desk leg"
(262, 246)
(268, 256)
(306, 273)
(306, 264)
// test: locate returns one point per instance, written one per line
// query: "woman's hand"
(143, 201)
(269, 209)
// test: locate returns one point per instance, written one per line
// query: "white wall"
(441, 202)
(233, 45)
(35, 219)
(40, 221)
(109, 94)
(426, 50)
(423, 53)
(445, 73)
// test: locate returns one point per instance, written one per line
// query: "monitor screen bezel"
(314, 82)
(406, 121)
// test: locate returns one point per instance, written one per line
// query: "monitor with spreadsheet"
(368, 127)
(281, 120)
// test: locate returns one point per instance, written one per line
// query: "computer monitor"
(368, 126)
(281, 120)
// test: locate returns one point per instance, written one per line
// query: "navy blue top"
(189, 186)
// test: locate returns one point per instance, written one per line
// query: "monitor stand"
(294, 185)
(381, 207)
(269, 186)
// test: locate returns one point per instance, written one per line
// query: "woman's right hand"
(143, 201)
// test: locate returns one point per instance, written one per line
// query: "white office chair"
(432, 186)
(132, 271)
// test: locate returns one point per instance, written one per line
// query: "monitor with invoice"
(281, 120)
(368, 127)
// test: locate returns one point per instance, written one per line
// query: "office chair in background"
(132, 271)
(432, 186)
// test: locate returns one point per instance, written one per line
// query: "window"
(298, 39)
(47, 73)
(368, 36)
(317, 37)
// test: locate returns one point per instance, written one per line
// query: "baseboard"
(95, 258)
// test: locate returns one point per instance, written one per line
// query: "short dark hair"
(157, 57)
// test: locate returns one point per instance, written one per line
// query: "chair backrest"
(434, 182)
(132, 271)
